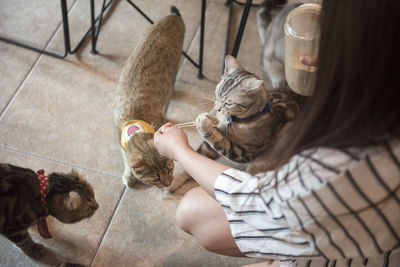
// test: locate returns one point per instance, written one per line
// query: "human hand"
(308, 61)
(170, 141)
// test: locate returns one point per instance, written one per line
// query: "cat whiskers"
(206, 102)
(212, 111)
(233, 129)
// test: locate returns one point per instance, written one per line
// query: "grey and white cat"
(271, 17)
(144, 90)
(248, 121)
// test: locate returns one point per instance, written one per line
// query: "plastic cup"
(302, 31)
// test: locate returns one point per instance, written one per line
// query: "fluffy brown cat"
(144, 90)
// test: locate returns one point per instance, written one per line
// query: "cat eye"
(138, 172)
(228, 104)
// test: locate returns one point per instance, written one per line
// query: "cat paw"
(204, 123)
(36, 251)
(129, 180)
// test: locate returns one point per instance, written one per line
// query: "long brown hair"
(357, 93)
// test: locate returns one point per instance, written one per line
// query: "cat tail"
(264, 16)
(175, 11)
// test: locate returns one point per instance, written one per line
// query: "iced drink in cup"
(302, 33)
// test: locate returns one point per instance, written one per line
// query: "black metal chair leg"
(64, 14)
(202, 22)
(67, 44)
(93, 26)
(95, 31)
(140, 11)
(241, 28)
(228, 29)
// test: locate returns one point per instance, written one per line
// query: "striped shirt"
(325, 207)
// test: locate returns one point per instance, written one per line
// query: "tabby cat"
(143, 93)
(69, 198)
(252, 115)
(247, 121)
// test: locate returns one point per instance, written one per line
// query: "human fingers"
(308, 60)
(163, 128)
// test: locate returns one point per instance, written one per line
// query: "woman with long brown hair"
(336, 197)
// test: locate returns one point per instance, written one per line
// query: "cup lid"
(303, 21)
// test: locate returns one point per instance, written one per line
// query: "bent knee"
(188, 210)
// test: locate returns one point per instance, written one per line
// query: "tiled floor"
(56, 114)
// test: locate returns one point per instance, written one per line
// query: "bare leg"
(200, 215)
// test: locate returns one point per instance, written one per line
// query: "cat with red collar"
(27, 198)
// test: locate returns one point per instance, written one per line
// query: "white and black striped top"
(325, 207)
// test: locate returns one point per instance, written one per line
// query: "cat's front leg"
(206, 150)
(127, 177)
(23, 240)
(207, 126)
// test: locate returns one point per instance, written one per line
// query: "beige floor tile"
(15, 64)
(71, 242)
(63, 111)
(122, 26)
(143, 233)
(32, 22)
(215, 39)
(214, 43)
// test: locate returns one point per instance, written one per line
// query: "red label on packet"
(132, 129)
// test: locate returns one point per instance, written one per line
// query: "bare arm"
(173, 143)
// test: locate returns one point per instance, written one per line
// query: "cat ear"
(75, 173)
(231, 64)
(136, 161)
(72, 201)
(253, 83)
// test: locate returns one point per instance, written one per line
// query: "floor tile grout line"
(19, 86)
(108, 226)
(65, 163)
(29, 72)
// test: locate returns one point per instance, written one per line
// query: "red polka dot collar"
(42, 225)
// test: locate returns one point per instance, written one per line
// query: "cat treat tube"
(186, 124)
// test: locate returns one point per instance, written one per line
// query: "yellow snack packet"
(131, 128)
